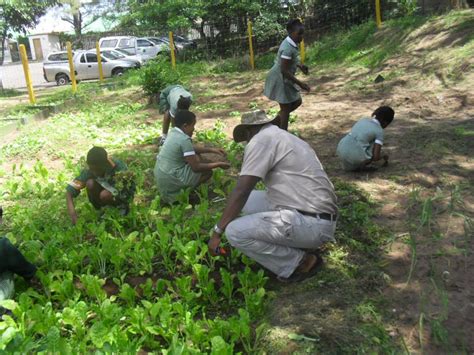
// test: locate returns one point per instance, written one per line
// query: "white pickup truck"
(86, 67)
(133, 45)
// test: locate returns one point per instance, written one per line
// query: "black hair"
(183, 117)
(384, 114)
(97, 156)
(184, 102)
(293, 25)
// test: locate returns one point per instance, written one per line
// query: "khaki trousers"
(275, 238)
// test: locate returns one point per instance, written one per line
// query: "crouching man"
(107, 181)
(295, 214)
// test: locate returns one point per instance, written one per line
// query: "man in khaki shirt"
(297, 210)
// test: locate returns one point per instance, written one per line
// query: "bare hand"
(74, 218)
(304, 69)
(305, 87)
(214, 244)
(224, 165)
(220, 151)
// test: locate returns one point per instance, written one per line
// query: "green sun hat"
(253, 118)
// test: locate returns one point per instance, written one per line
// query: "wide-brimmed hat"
(254, 118)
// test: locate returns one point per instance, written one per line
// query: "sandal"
(299, 276)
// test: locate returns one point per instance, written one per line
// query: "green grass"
(364, 45)
(10, 93)
(368, 47)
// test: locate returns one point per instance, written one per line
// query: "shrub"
(157, 75)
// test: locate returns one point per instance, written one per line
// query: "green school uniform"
(169, 98)
(107, 182)
(277, 88)
(357, 146)
(172, 173)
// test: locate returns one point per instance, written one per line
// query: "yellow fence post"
(173, 57)
(72, 72)
(26, 69)
(378, 14)
(99, 62)
(302, 52)
(302, 48)
(252, 58)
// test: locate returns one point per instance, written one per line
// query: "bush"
(157, 75)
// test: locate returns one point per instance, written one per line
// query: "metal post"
(26, 70)
(173, 57)
(252, 58)
(99, 62)
(378, 14)
(302, 52)
(302, 48)
(72, 72)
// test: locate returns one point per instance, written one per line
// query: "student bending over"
(172, 99)
(363, 145)
(100, 180)
(178, 165)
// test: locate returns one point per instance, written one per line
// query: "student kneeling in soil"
(107, 181)
(363, 145)
(11, 262)
(172, 99)
(296, 213)
(178, 165)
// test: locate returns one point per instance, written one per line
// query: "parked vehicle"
(57, 57)
(180, 43)
(131, 45)
(86, 67)
(158, 41)
(139, 57)
(114, 54)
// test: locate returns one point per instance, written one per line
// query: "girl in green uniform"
(281, 84)
(363, 144)
(178, 165)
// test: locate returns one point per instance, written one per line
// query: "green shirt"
(172, 172)
(107, 181)
(277, 87)
(357, 146)
(169, 98)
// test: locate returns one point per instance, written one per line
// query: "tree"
(218, 16)
(81, 13)
(18, 16)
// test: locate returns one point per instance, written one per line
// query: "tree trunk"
(77, 19)
(3, 39)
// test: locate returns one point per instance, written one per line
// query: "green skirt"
(352, 155)
(171, 184)
(280, 89)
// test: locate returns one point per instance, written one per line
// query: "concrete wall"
(49, 43)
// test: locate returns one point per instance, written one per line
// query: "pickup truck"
(133, 45)
(86, 67)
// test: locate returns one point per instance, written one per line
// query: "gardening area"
(398, 280)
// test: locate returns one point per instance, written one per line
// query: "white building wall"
(49, 43)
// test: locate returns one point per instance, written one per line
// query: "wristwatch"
(218, 230)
